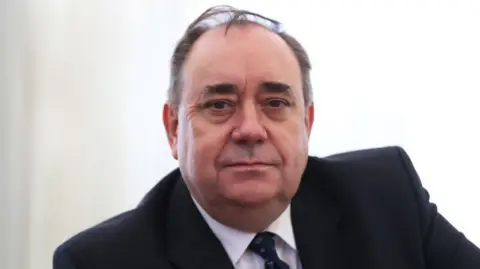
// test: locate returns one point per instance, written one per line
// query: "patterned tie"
(264, 246)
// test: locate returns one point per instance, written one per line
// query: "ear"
(309, 117)
(170, 122)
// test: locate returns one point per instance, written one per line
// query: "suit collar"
(235, 242)
(315, 217)
(190, 242)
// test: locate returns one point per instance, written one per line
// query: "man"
(246, 194)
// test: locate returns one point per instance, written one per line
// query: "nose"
(249, 128)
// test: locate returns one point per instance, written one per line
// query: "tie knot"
(263, 245)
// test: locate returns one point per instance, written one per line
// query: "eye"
(219, 104)
(277, 103)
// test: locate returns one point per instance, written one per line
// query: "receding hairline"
(226, 28)
(234, 17)
(218, 32)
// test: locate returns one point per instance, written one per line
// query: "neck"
(252, 219)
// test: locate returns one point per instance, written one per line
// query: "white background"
(82, 85)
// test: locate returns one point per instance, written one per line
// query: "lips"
(247, 164)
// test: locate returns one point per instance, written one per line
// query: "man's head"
(239, 113)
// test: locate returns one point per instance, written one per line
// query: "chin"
(251, 202)
(250, 187)
(254, 194)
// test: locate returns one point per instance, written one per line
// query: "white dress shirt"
(236, 242)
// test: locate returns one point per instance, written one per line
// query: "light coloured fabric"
(236, 242)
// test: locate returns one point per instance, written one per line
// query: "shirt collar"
(235, 242)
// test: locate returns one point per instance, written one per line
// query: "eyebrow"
(219, 89)
(230, 88)
(276, 87)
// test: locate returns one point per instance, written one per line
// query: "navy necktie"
(264, 246)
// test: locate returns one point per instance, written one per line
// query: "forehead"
(246, 55)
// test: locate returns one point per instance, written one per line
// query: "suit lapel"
(314, 219)
(190, 242)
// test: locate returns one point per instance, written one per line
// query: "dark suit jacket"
(358, 210)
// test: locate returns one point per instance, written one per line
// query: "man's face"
(241, 130)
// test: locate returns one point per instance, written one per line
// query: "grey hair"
(228, 15)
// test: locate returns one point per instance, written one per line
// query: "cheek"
(292, 142)
(199, 145)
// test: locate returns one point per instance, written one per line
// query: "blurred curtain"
(82, 84)
(14, 129)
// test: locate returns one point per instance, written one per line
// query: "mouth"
(248, 166)
(245, 163)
